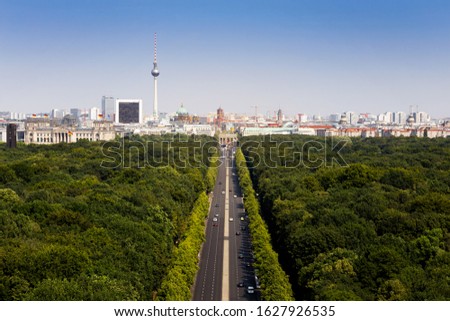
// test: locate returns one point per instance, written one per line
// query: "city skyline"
(313, 57)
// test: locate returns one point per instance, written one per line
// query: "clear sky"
(303, 56)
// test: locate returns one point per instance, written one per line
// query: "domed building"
(410, 121)
(182, 111)
(182, 115)
(343, 120)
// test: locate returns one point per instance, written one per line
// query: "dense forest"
(97, 221)
(359, 219)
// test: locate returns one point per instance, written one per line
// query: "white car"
(231, 219)
(235, 196)
(215, 219)
(250, 290)
(223, 192)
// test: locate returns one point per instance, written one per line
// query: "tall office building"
(76, 112)
(335, 118)
(109, 108)
(58, 113)
(155, 73)
(128, 111)
(11, 136)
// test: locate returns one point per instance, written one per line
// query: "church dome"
(182, 111)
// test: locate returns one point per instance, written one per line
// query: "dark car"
(241, 256)
(238, 233)
(217, 205)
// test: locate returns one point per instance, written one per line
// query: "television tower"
(155, 73)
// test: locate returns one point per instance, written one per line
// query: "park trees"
(72, 228)
(374, 228)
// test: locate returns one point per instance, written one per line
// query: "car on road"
(242, 218)
(215, 219)
(220, 183)
(217, 204)
(241, 256)
(223, 192)
(240, 284)
(250, 289)
(258, 286)
(216, 215)
(231, 219)
(238, 233)
(235, 195)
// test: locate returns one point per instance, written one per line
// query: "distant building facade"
(220, 116)
(194, 129)
(48, 131)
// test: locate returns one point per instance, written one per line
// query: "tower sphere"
(155, 70)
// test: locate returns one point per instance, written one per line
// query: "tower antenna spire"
(154, 49)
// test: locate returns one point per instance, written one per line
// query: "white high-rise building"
(108, 108)
(16, 116)
(421, 117)
(389, 117)
(94, 113)
(352, 117)
(400, 118)
(381, 118)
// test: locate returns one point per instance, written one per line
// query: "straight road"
(208, 285)
(226, 258)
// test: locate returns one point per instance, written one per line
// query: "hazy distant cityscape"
(119, 116)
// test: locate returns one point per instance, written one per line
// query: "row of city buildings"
(125, 116)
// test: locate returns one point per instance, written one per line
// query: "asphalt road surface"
(226, 257)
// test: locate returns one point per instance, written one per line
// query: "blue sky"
(304, 56)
